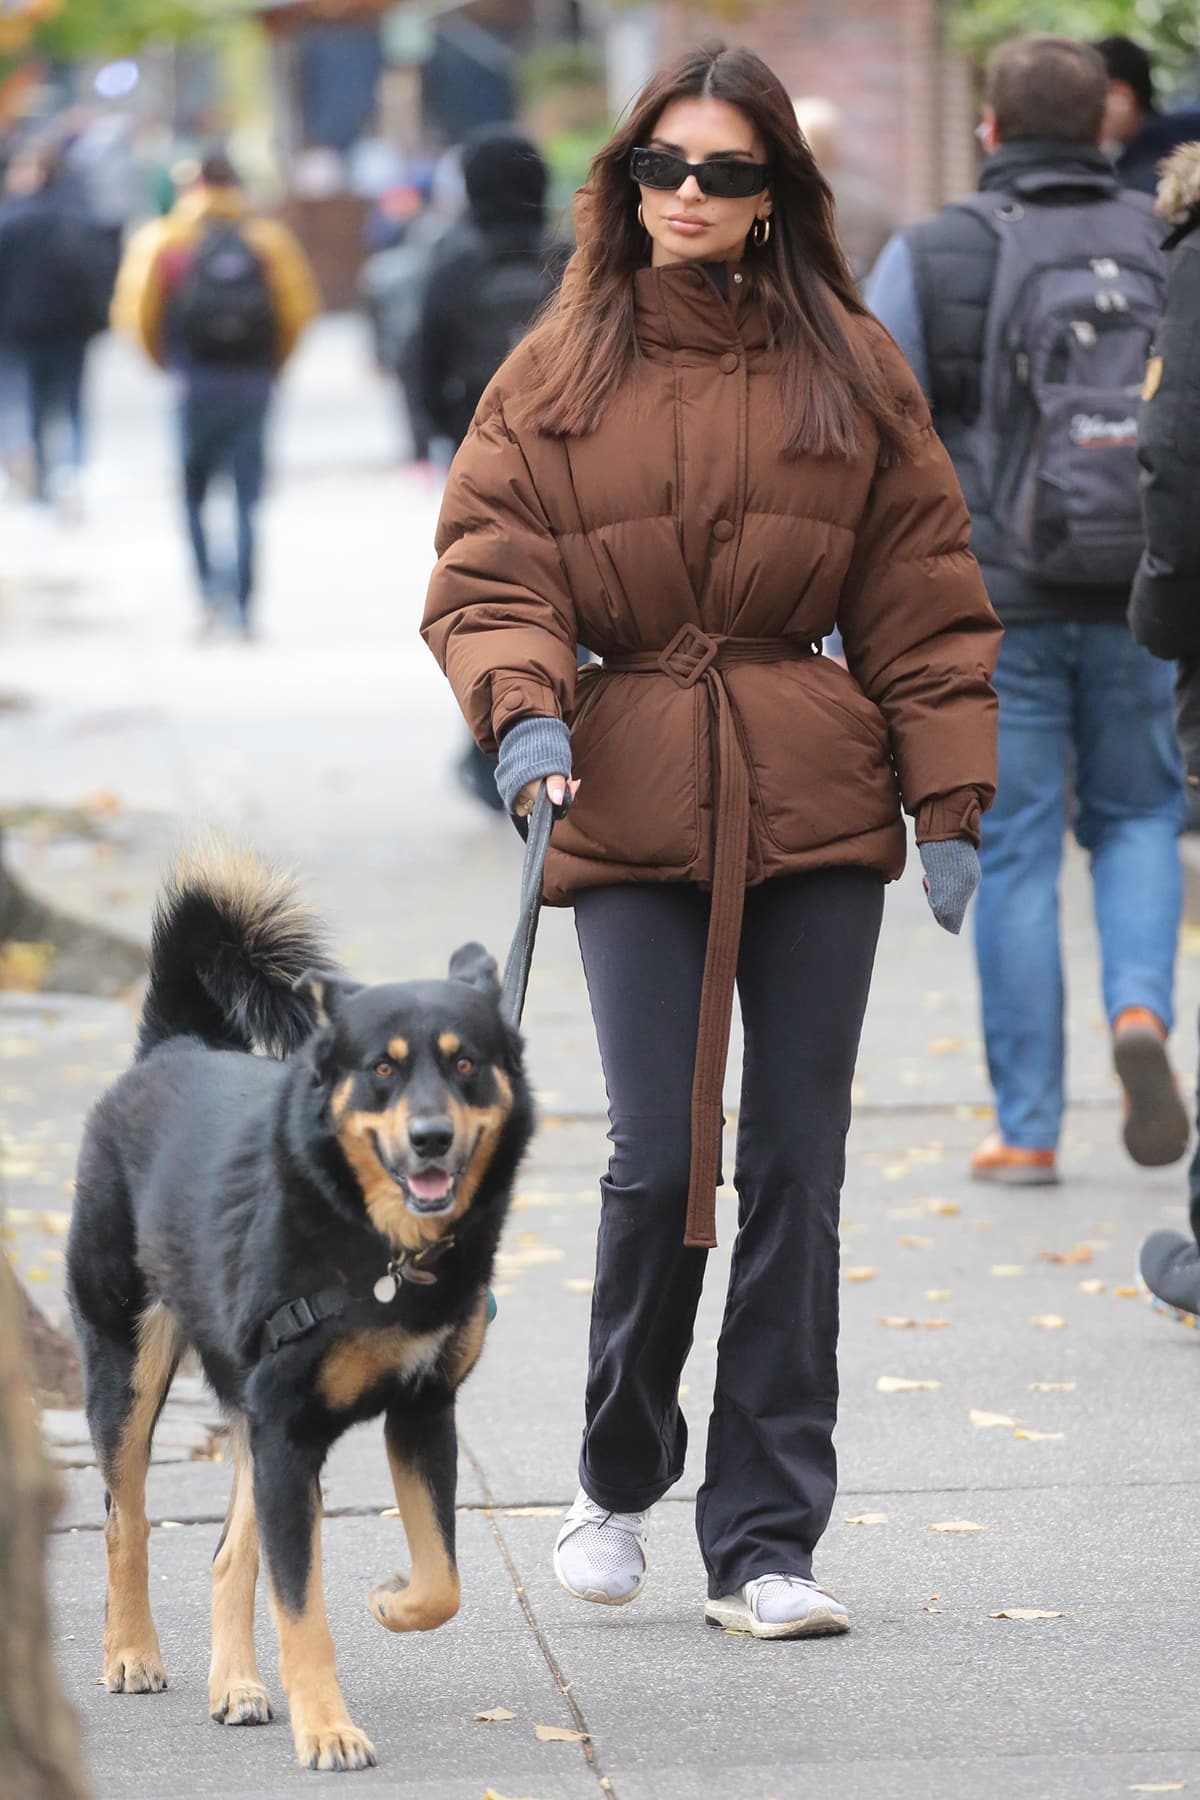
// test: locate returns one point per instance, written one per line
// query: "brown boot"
(1156, 1122)
(1008, 1165)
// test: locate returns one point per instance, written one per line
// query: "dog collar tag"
(385, 1289)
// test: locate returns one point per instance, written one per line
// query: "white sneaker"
(779, 1606)
(601, 1555)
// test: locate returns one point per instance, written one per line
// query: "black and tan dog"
(319, 1223)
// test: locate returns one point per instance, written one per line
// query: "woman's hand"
(951, 877)
(557, 786)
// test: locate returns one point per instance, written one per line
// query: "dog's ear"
(326, 993)
(473, 965)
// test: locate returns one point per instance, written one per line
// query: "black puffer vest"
(954, 261)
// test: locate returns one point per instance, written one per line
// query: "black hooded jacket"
(1164, 611)
(493, 276)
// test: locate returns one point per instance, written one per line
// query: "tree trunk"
(39, 1735)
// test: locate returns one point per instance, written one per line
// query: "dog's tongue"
(434, 1184)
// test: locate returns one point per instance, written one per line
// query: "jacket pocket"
(635, 749)
(818, 755)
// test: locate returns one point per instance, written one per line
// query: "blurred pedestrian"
(392, 286)
(865, 218)
(1135, 133)
(703, 454)
(486, 284)
(220, 298)
(55, 280)
(1165, 607)
(1027, 313)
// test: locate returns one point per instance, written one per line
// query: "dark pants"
(223, 430)
(808, 945)
(54, 376)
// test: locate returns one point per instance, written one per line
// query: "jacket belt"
(692, 658)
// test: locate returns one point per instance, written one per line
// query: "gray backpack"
(1076, 299)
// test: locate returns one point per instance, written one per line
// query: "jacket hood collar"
(1179, 191)
(209, 202)
(1032, 166)
(679, 307)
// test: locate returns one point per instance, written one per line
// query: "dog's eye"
(464, 1066)
(384, 1068)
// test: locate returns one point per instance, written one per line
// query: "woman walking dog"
(703, 457)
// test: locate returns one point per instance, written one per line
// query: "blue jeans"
(223, 429)
(1085, 715)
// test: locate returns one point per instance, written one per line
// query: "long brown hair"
(586, 342)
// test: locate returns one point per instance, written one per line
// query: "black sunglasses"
(723, 178)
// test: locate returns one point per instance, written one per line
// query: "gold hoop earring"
(641, 220)
(760, 234)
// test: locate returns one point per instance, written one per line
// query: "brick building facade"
(906, 97)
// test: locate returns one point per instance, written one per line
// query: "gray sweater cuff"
(530, 750)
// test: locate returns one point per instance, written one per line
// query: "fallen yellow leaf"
(957, 1525)
(1125, 1293)
(36, 1275)
(1038, 1437)
(1080, 1254)
(1052, 1387)
(944, 1046)
(24, 967)
(935, 1324)
(390, 1512)
(911, 1241)
(491, 1793)
(939, 1293)
(1094, 1286)
(495, 1715)
(944, 1209)
(897, 1384)
(989, 1421)
(532, 1512)
(1157, 1787)
(867, 1519)
(860, 1274)
(1049, 1321)
(1007, 1269)
(579, 1284)
(897, 1324)
(1024, 1612)
(554, 1734)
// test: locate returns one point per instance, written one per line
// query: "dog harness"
(297, 1318)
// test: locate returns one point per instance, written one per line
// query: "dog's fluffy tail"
(228, 942)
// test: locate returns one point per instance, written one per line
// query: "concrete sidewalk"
(328, 744)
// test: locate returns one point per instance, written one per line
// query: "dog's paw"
(335, 1747)
(134, 1671)
(241, 1703)
(398, 1606)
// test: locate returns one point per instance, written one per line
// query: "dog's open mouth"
(429, 1192)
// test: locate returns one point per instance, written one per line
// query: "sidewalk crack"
(552, 1663)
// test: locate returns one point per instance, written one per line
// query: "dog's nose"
(430, 1137)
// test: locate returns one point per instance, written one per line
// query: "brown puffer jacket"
(680, 545)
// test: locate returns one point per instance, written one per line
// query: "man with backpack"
(487, 282)
(55, 285)
(220, 299)
(1027, 313)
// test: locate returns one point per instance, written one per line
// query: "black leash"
(298, 1317)
(520, 955)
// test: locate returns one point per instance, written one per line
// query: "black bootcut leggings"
(804, 969)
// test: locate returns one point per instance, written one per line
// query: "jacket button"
(722, 531)
(728, 363)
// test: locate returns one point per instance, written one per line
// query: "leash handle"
(520, 955)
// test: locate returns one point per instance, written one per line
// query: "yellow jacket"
(143, 288)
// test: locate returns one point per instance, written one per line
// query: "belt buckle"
(698, 650)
